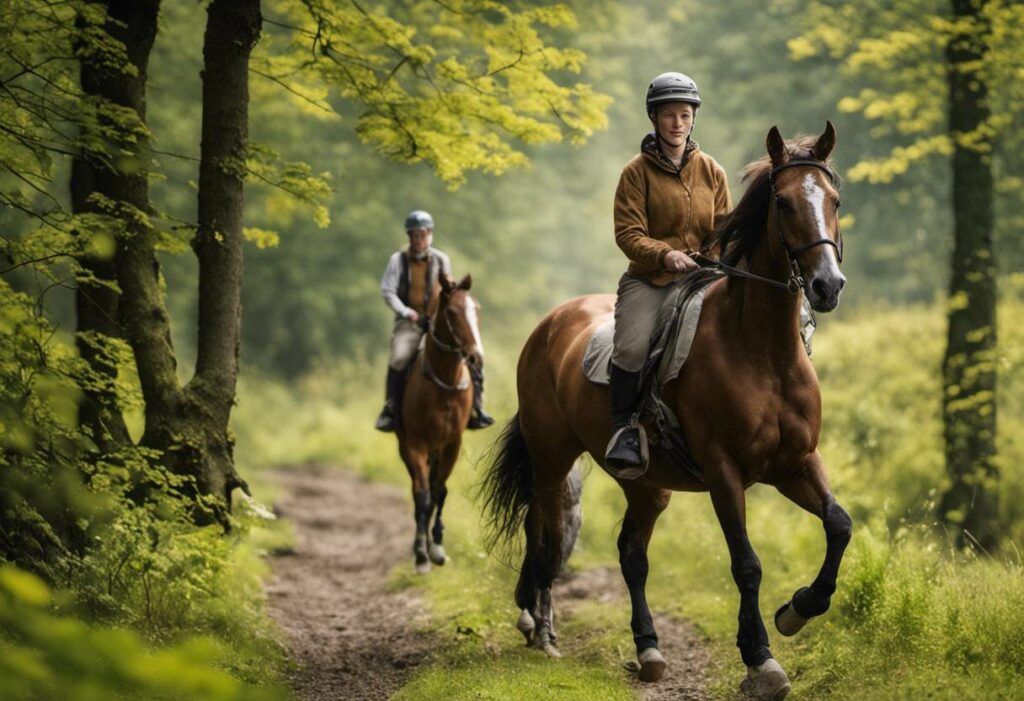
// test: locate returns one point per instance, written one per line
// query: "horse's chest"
(782, 433)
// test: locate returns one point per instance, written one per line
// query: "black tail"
(506, 489)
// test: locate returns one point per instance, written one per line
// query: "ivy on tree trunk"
(187, 425)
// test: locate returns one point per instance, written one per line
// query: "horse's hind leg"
(645, 504)
(552, 522)
(811, 492)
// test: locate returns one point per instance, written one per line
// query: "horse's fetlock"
(812, 601)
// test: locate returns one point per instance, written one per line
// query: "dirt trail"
(351, 637)
(332, 590)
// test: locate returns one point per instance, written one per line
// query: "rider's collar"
(418, 257)
(652, 148)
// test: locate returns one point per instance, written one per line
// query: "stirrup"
(479, 419)
(625, 457)
(386, 420)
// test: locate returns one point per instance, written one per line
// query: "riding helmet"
(419, 219)
(672, 87)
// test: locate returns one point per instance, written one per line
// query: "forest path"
(353, 638)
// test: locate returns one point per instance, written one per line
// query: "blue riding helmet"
(419, 219)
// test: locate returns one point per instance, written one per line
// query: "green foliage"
(445, 83)
(114, 534)
(891, 59)
(48, 654)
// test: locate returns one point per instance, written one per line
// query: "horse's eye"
(783, 204)
(838, 204)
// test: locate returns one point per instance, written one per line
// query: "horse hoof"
(766, 682)
(423, 567)
(652, 665)
(526, 625)
(551, 651)
(788, 621)
(437, 555)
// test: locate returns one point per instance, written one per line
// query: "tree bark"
(232, 30)
(121, 177)
(970, 505)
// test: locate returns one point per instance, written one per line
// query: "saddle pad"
(598, 356)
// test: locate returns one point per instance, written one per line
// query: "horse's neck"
(445, 364)
(770, 318)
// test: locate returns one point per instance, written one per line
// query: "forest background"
(533, 231)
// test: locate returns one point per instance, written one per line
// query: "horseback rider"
(411, 280)
(666, 205)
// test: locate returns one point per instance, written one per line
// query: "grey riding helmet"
(419, 219)
(671, 87)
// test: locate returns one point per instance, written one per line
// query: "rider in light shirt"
(411, 280)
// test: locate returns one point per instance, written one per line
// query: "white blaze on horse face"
(815, 195)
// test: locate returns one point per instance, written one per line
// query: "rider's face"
(420, 239)
(674, 122)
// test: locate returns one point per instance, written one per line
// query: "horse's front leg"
(416, 462)
(441, 470)
(811, 492)
(765, 677)
(644, 506)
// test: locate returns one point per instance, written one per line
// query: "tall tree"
(940, 79)
(110, 175)
(969, 366)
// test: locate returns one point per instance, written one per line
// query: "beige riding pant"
(405, 338)
(636, 311)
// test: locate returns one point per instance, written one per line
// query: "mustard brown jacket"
(660, 208)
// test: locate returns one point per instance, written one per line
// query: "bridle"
(457, 348)
(796, 278)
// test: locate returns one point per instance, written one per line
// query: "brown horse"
(436, 404)
(747, 398)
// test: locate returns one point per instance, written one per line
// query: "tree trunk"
(232, 30)
(969, 371)
(120, 177)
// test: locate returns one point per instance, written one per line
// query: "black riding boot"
(623, 457)
(388, 419)
(478, 418)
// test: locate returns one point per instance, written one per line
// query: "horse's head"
(805, 212)
(460, 314)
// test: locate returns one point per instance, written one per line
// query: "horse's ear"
(447, 284)
(776, 146)
(826, 142)
(466, 282)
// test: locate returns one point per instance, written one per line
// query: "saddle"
(671, 341)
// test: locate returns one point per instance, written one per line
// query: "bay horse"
(747, 399)
(435, 410)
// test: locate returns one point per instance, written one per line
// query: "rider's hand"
(677, 261)
(413, 316)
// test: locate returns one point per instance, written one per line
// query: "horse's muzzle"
(823, 292)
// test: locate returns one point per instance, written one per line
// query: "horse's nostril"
(819, 287)
(842, 284)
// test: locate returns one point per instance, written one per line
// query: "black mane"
(739, 233)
